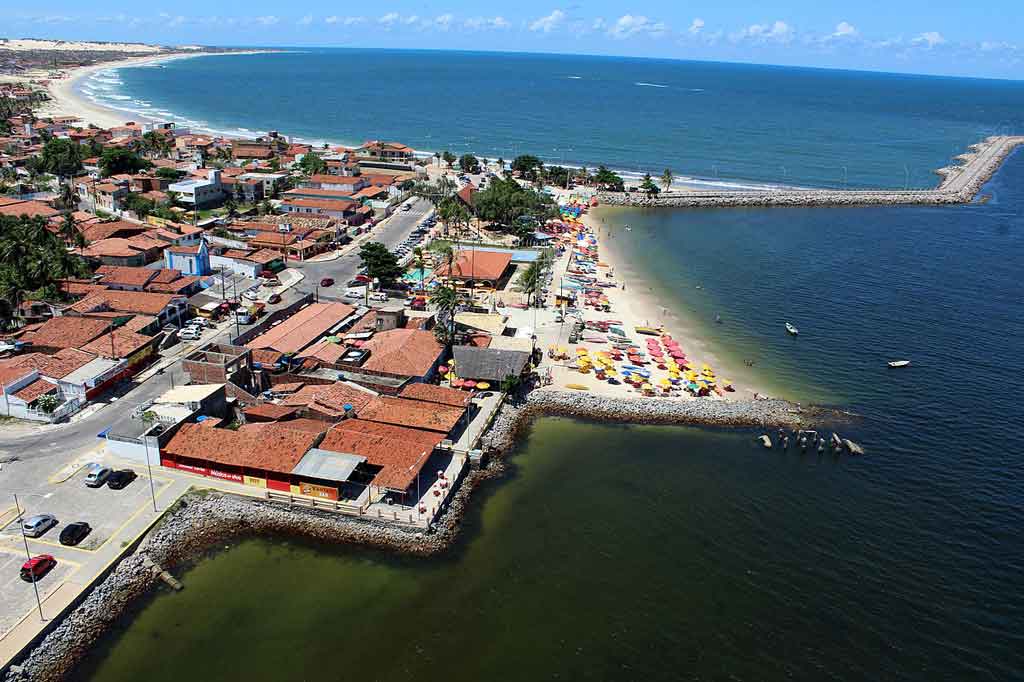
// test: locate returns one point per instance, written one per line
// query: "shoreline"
(202, 519)
(65, 100)
(646, 306)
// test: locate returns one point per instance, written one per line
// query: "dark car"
(36, 567)
(327, 282)
(120, 479)
(73, 533)
(274, 298)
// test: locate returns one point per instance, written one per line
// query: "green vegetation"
(156, 144)
(115, 160)
(512, 207)
(648, 185)
(168, 173)
(312, 164)
(448, 157)
(529, 167)
(59, 157)
(608, 180)
(379, 262)
(531, 281)
(469, 164)
(33, 261)
(667, 178)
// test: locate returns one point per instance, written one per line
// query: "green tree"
(231, 206)
(530, 281)
(448, 157)
(469, 164)
(60, 157)
(312, 164)
(667, 178)
(529, 167)
(117, 160)
(506, 203)
(139, 205)
(379, 262)
(168, 173)
(446, 300)
(608, 180)
(648, 185)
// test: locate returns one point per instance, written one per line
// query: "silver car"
(97, 477)
(36, 525)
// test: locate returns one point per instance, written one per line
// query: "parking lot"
(105, 510)
(16, 595)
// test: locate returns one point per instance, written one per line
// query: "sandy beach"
(66, 101)
(636, 305)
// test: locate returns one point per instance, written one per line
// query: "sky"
(942, 37)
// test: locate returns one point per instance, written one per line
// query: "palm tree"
(68, 195)
(68, 229)
(530, 281)
(666, 178)
(446, 300)
(420, 264)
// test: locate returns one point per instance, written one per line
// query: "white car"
(379, 296)
(190, 334)
(251, 295)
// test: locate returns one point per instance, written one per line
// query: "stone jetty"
(960, 185)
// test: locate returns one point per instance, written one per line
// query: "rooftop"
(414, 414)
(406, 352)
(401, 452)
(302, 328)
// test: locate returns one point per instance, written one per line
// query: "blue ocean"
(664, 553)
(720, 124)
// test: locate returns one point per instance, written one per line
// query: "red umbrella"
(456, 383)
(469, 383)
(443, 369)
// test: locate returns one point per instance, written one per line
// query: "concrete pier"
(960, 185)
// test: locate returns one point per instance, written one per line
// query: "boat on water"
(791, 329)
(650, 331)
(899, 363)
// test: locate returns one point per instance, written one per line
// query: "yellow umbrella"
(483, 385)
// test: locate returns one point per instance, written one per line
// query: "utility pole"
(149, 468)
(28, 557)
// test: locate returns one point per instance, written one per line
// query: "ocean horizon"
(714, 124)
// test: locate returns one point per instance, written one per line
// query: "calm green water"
(611, 552)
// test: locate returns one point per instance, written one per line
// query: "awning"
(327, 465)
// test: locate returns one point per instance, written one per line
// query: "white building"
(198, 191)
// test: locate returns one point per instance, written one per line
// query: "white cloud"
(844, 30)
(778, 32)
(410, 20)
(628, 26)
(549, 23)
(599, 24)
(268, 20)
(483, 23)
(306, 20)
(929, 38)
(388, 19)
(696, 26)
(443, 21)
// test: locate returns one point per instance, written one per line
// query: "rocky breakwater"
(960, 185)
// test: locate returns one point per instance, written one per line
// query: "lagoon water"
(725, 123)
(661, 553)
(666, 553)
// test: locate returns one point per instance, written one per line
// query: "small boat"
(791, 329)
(650, 331)
(899, 363)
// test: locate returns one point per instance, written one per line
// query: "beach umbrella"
(469, 383)
(443, 369)
(456, 383)
(483, 385)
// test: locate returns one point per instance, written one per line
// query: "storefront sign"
(226, 476)
(321, 491)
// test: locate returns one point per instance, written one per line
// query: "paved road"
(391, 233)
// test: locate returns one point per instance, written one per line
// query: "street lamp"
(149, 469)
(28, 556)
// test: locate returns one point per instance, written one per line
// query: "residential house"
(189, 260)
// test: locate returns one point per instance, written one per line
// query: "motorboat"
(899, 363)
(791, 329)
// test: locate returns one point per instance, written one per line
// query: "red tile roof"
(125, 344)
(302, 328)
(56, 366)
(269, 412)
(414, 414)
(29, 208)
(329, 399)
(125, 276)
(477, 265)
(400, 451)
(140, 302)
(276, 447)
(436, 394)
(406, 352)
(37, 388)
(67, 332)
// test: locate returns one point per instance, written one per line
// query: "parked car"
(120, 479)
(243, 317)
(190, 334)
(379, 296)
(327, 282)
(200, 322)
(37, 567)
(97, 477)
(360, 278)
(37, 525)
(74, 533)
(406, 207)
(274, 298)
(355, 292)
(250, 294)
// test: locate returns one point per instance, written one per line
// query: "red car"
(274, 299)
(37, 567)
(362, 278)
(327, 282)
